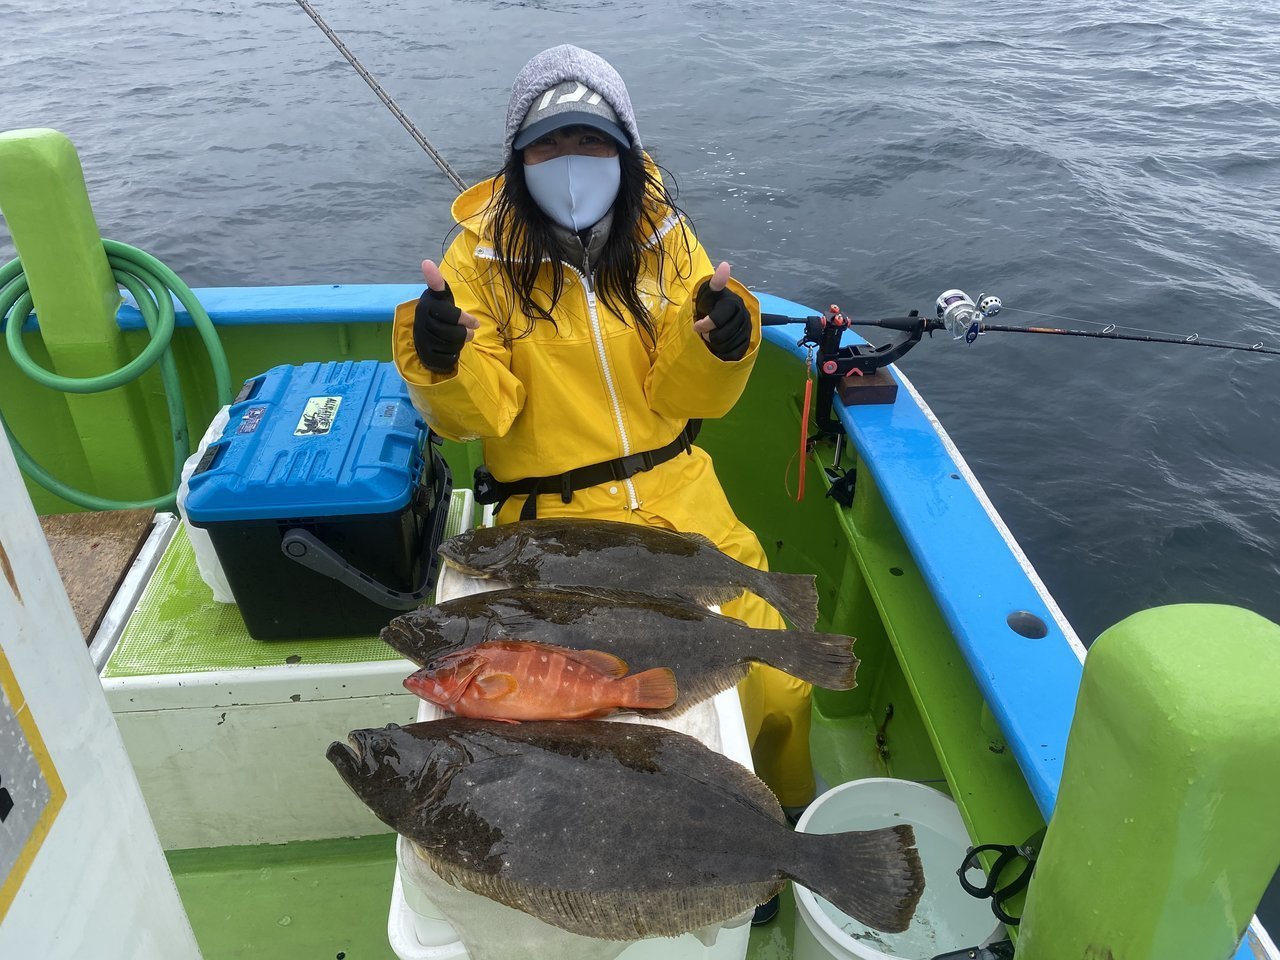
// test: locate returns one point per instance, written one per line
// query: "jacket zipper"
(585, 276)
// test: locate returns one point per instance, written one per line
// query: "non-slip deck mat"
(177, 626)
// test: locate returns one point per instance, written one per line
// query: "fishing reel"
(961, 317)
(956, 313)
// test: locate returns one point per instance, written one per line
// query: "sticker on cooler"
(317, 417)
(30, 791)
(252, 417)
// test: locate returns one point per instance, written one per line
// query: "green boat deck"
(310, 899)
(177, 621)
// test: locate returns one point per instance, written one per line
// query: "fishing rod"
(385, 97)
(966, 320)
(855, 371)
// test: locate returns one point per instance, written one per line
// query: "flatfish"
(517, 680)
(612, 830)
(567, 552)
(707, 652)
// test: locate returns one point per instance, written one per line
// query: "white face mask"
(575, 191)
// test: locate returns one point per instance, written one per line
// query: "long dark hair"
(523, 239)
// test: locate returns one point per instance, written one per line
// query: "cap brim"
(569, 118)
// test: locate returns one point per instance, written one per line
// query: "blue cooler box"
(325, 498)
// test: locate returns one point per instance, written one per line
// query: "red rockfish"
(517, 680)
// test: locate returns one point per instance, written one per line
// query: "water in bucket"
(947, 918)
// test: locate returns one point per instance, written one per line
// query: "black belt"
(489, 490)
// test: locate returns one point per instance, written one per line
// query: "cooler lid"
(316, 440)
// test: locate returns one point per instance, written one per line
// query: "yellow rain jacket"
(589, 389)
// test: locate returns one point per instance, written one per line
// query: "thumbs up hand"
(440, 328)
(724, 320)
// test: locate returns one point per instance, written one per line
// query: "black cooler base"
(283, 600)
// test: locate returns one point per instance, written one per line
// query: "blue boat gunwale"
(284, 305)
(974, 567)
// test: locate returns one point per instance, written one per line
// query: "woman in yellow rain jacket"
(577, 328)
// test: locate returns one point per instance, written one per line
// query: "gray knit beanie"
(569, 63)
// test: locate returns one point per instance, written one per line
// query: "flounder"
(707, 652)
(613, 830)
(574, 552)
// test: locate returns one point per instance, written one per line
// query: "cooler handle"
(306, 548)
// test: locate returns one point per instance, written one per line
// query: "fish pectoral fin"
(601, 662)
(495, 685)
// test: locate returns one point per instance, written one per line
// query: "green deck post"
(1165, 833)
(46, 205)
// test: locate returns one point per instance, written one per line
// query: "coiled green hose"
(154, 287)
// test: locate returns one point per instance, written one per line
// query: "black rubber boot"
(766, 911)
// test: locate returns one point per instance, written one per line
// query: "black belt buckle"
(624, 468)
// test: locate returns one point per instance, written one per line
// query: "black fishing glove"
(731, 335)
(437, 335)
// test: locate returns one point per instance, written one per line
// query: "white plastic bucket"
(947, 918)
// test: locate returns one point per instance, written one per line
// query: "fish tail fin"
(823, 659)
(649, 690)
(795, 595)
(875, 876)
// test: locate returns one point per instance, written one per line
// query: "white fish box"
(417, 928)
